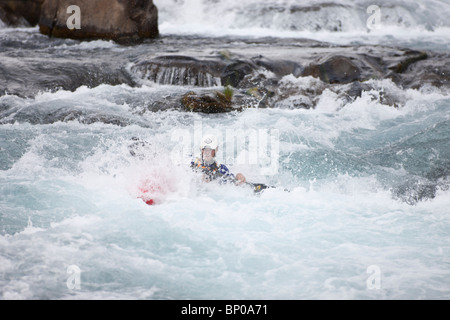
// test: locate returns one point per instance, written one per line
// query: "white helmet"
(209, 141)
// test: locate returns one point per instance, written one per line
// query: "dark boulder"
(20, 13)
(208, 103)
(280, 68)
(119, 20)
(409, 57)
(235, 72)
(433, 70)
(337, 69)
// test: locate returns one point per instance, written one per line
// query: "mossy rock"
(208, 103)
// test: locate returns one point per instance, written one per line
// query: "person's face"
(208, 154)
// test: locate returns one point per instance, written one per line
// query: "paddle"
(258, 187)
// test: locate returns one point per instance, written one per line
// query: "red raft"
(149, 193)
(153, 191)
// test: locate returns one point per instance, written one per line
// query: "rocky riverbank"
(253, 69)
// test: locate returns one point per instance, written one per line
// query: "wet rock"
(355, 65)
(214, 70)
(257, 90)
(296, 102)
(47, 114)
(23, 13)
(309, 87)
(258, 97)
(208, 103)
(337, 69)
(263, 76)
(434, 71)
(348, 93)
(355, 90)
(27, 76)
(410, 57)
(236, 72)
(119, 20)
(181, 70)
(280, 68)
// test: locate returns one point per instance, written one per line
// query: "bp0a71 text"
(235, 309)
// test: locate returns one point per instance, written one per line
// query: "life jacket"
(213, 171)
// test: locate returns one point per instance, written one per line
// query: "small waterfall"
(177, 75)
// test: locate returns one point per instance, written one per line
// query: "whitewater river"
(361, 197)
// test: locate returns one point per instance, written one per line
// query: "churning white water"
(69, 199)
(421, 23)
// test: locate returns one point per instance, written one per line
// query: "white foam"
(211, 241)
(91, 45)
(343, 23)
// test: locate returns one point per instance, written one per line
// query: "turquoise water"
(354, 177)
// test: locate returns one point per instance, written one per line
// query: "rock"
(180, 70)
(20, 13)
(258, 90)
(208, 103)
(356, 88)
(410, 57)
(210, 71)
(26, 76)
(408, 68)
(222, 69)
(235, 72)
(337, 69)
(263, 76)
(49, 114)
(119, 20)
(280, 68)
(434, 71)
